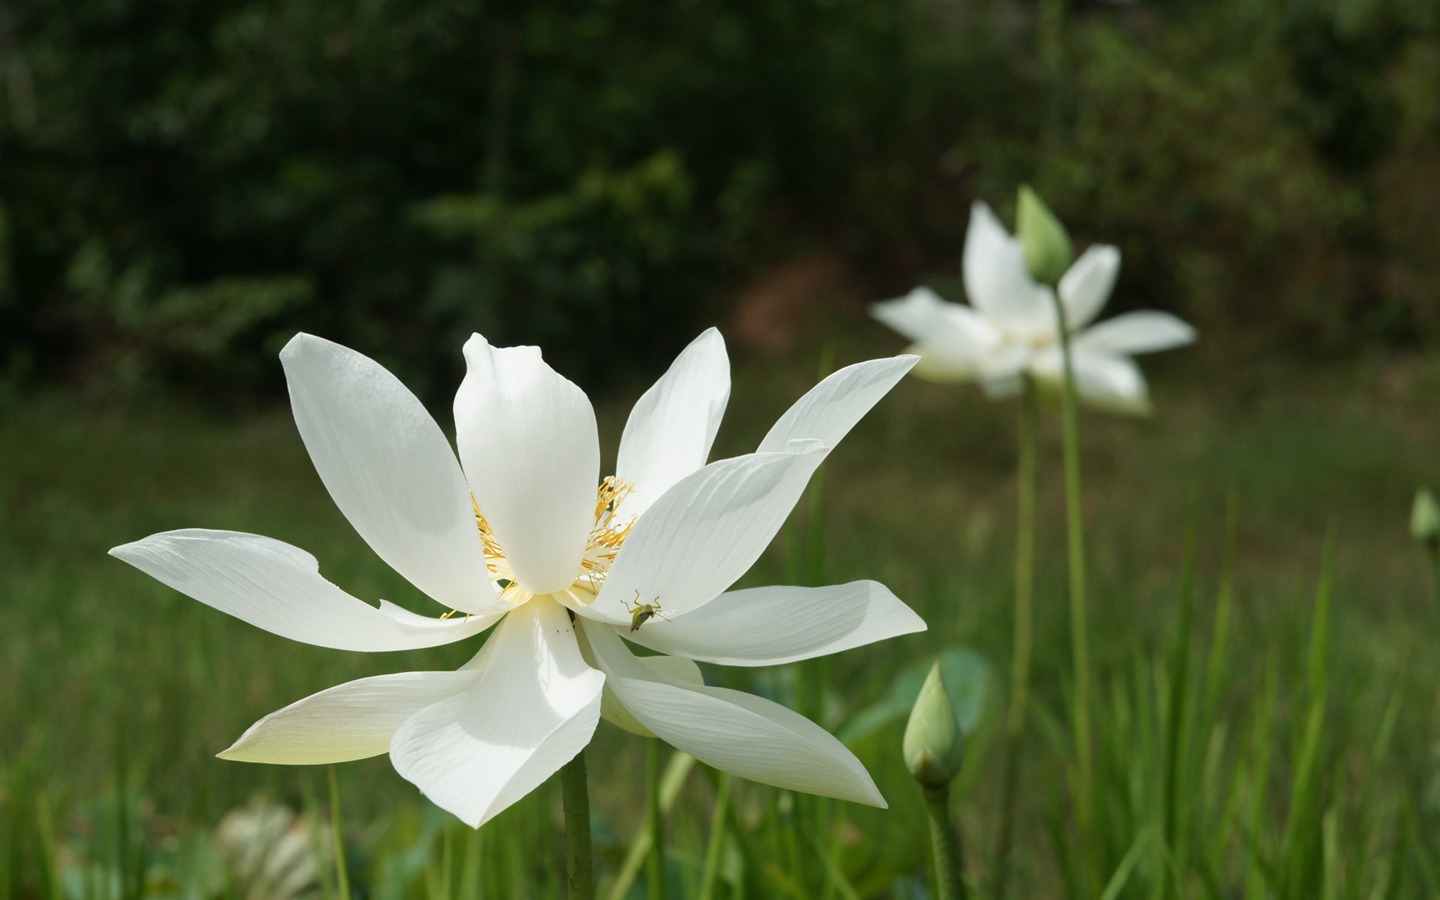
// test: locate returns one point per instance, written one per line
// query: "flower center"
(606, 536)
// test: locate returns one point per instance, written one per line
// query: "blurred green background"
(185, 184)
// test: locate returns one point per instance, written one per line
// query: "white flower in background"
(271, 852)
(515, 534)
(1010, 329)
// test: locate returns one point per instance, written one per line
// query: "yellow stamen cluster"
(606, 536)
(609, 531)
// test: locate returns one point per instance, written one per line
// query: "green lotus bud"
(934, 747)
(1425, 520)
(1048, 251)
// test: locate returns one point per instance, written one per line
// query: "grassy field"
(1244, 745)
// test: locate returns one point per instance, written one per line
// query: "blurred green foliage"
(1260, 164)
(185, 184)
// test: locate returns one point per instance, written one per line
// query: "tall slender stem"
(1052, 30)
(1020, 662)
(1079, 627)
(337, 836)
(945, 845)
(718, 831)
(576, 800)
(1435, 582)
(655, 819)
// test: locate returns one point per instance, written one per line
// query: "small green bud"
(934, 747)
(1048, 251)
(1425, 520)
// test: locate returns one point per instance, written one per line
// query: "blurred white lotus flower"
(272, 853)
(516, 535)
(1011, 329)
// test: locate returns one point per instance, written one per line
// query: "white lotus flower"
(515, 534)
(1010, 329)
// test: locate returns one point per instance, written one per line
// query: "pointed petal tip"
(236, 751)
(862, 790)
(134, 551)
(712, 340)
(299, 343)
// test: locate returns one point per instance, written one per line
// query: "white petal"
(733, 731)
(704, 533)
(279, 588)
(772, 625)
(667, 668)
(998, 282)
(390, 469)
(831, 408)
(1005, 361)
(1002, 360)
(534, 706)
(529, 446)
(1145, 331)
(924, 318)
(1112, 383)
(1087, 285)
(941, 364)
(354, 720)
(672, 426)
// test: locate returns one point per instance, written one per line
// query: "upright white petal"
(279, 588)
(529, 447)
(389, 468)
(355, 720)
(1111, 383)
(997, 281)
(1087, 284)
(732, 731)
(831, 408)
(1146, 331)
(534, 706)
(773, 625)
(704, 533)
(672, 426)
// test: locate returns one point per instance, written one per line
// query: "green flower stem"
(1051, 32)
(671, 783)
(576, 800)
(718, 832)
(944, 844)
(655, 819)
(337, 835)
(1079, 628)
(1434, 582)
(1020, 663)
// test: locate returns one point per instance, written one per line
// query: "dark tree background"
(185, 183)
